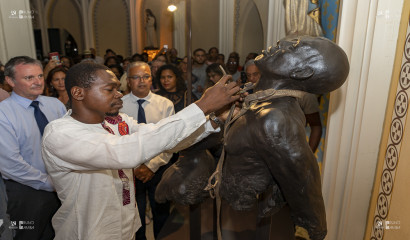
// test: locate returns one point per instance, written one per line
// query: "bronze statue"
(267, 158)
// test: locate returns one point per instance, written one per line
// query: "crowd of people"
(75, 169)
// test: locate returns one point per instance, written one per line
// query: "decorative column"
(276, 23)
(226, 26)
(179, 29)
(43, 26)
(87, 13)
(136, 24)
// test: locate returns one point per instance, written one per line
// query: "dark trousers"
(160, 211)
(31, 211)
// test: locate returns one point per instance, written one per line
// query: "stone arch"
(66, 16)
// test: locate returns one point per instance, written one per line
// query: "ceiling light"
(172, 8)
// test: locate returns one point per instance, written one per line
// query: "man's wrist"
(203, 107)
(215, 119)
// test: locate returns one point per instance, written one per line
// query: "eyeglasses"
(232, 62)
(145, 77)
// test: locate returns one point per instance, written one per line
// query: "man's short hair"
(9, 69)
(199, 49)
(82, 75)
(136, 64)
(249, 63)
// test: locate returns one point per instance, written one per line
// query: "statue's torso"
(253, 144)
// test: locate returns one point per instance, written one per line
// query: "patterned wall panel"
(393, 147)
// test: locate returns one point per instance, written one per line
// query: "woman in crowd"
(55, 84)
(172, 86)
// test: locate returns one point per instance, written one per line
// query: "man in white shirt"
(149, 174)
(81, 154)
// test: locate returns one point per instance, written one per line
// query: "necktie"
(141, 112)
(41, 119)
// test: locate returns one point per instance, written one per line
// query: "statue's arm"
(294, 167)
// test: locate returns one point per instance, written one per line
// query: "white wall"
(16, 31)
(368, 33)
(111, 27)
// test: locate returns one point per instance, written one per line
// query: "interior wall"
(65, 15)
(263, 10)
(16, 31)
(111, 27)
(250, 30)
(398, 217)
(368, 32)
(205, 24)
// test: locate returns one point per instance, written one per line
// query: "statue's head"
(311, 64)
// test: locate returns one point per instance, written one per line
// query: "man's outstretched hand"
(218, 96)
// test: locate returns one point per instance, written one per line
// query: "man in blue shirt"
(32, 200)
